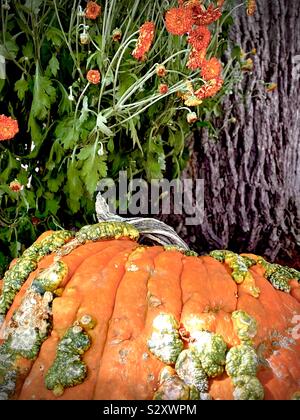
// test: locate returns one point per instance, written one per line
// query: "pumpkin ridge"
(108, 323)
(47, 359)
(115, 349)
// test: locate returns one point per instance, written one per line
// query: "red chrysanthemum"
(211, 69)
(163, 88)
(179, 20)
(210, 88)
(8, 127)
(202, 16)
(199, 38)
(144, 42)
(93, 76)
(92, 10)
(195, 59)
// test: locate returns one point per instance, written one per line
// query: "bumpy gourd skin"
(165, 342)
(68, 369)
(245, 326)
(189, 369)
(278, 275)
(241, 360)
(16, 276)
(247, 388)
(107, 230)
(211, 349)
(172, 387)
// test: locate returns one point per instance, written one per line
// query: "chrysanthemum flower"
(202, 16)
(210, 88)
(163, 88)
(161, 71)
(92, 10)
(199, 38)
(93, 76)
(8, 127)
(211, 69)
(195, 59)
(15, 186)
(144, 42)
(179, 20)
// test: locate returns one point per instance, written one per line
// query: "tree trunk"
(252, 171)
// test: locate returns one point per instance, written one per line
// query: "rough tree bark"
(252, 172)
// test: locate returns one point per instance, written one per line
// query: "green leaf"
(73, 188)
(28, 50)
(21, 87)
(55, 36)
(44, 96)
(101, 125)
(67, 133)
(54, 65)
(33, 5)
(92, 171)
(110, 145)
(52, 206)
(55, 183)
(9, 49)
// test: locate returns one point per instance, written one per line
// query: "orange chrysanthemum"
(92, 10)
(8, 127)
(144, 42)
(161, 71)
(210, 88)
(179, 20)
(199, 38)
(93, 76)
(195, 59)
(211, 69)
(15, 186)
(163, 88)
(202, 16)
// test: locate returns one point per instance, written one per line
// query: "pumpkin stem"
(149, 227)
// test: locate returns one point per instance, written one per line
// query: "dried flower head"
(199, 38)
(92, 10)
(195, 59)
(271, 86)
(8, 127)
(251, 7)
(247, 65)
(144, 42)
(211, 69)
(93, 76)
(163, 88)
(210, 88)
(116, 35)
(179, 20)
(84, 38)
(15, 186)
(161, 71)
(191, 117)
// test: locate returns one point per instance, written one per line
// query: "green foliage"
(73, 133)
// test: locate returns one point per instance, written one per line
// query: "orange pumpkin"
(100, 316)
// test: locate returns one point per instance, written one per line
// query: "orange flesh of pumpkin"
(124, 287)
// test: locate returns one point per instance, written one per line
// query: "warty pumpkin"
(96, 315)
